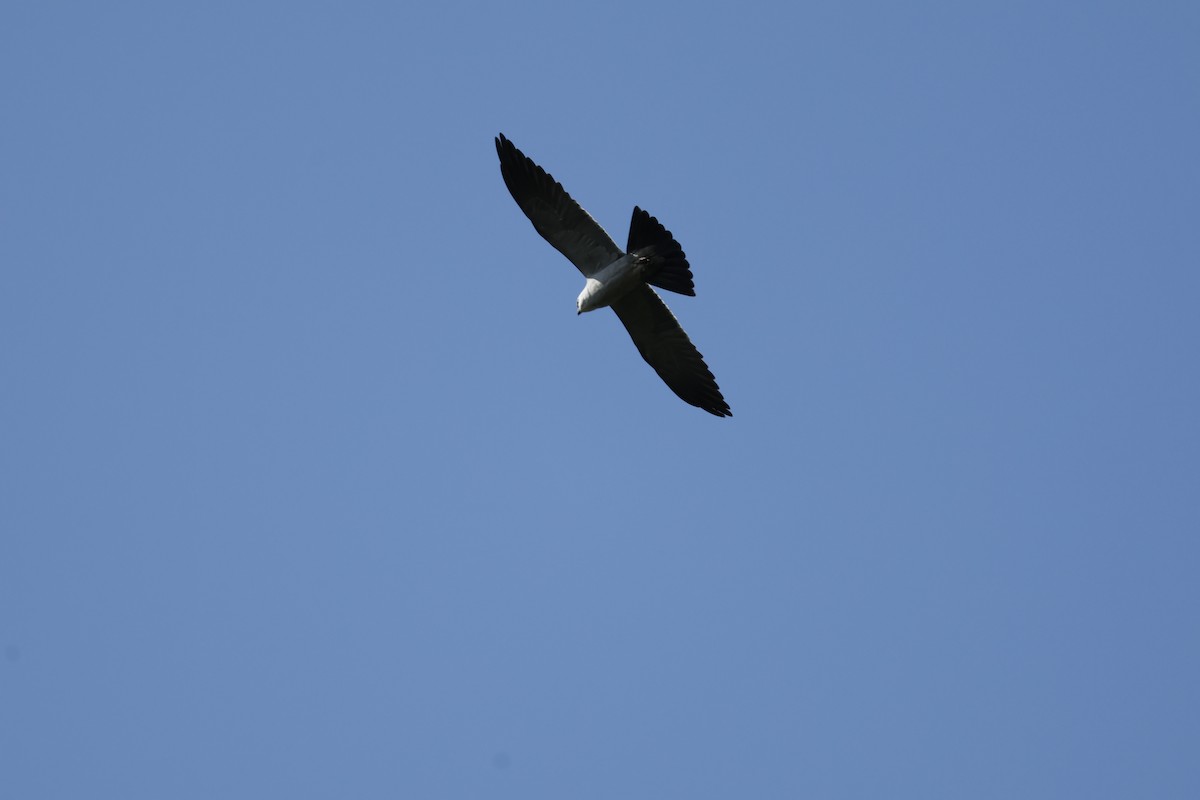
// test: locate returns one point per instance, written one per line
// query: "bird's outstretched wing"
(554, 215)
(665, 346)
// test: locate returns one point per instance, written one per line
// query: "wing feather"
(667, 348)
(554, 215)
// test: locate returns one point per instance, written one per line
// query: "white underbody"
(611, 283)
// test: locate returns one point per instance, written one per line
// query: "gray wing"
(665, 346)
(554, 215)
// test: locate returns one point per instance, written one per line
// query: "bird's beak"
(577, 313)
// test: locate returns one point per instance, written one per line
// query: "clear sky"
(313, 484)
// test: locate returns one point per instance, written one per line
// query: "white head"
(586, 299)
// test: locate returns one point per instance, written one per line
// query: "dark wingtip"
(721, 410)
(716, 405)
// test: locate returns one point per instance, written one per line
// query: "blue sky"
(313, 484)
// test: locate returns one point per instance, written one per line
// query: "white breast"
(607, 285)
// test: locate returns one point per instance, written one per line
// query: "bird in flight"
(620, 280)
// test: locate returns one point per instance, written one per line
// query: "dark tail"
(647, 237)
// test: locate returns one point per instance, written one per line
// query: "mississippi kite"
(620, 280)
